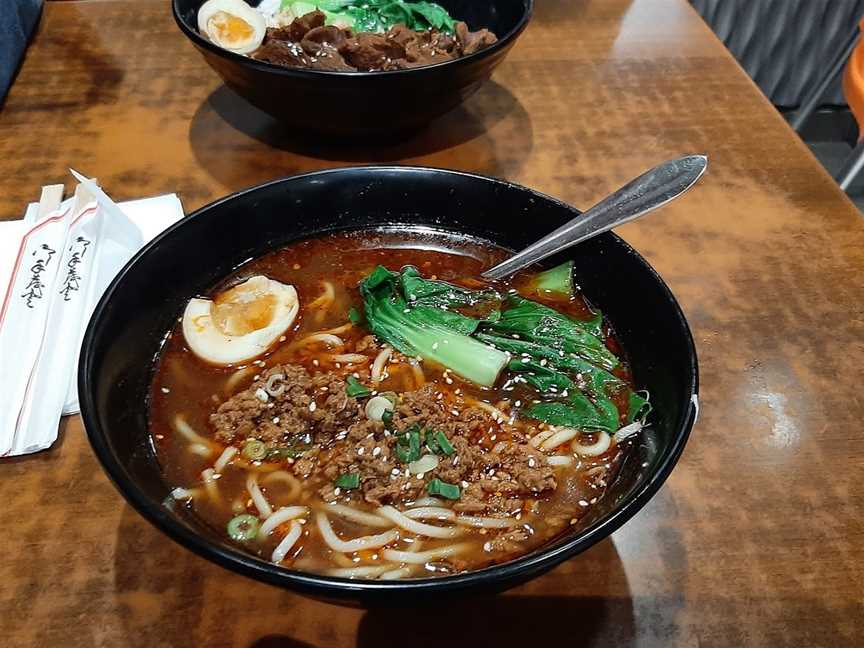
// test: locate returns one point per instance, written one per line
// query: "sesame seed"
(270, 405)
(261, 395)
(376, 451)
(165, 390)
(464, 484)
(421, 475)
(518, 403)
(312, 406)
(337, 491)
(315, 362)
(276, 419)
(256, 377)
(487, 546)
(360, 451)
(583, 503)
(531, 462)
(282, 338)
(296, 266)
(394, 472)
(434, 346)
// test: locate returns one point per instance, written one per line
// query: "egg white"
(213, 344)
(208, 21)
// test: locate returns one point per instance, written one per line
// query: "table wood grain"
(757, 537)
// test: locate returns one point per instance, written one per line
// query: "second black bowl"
(365, 103)
(129, 326)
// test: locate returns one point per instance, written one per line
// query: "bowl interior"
(131, 321)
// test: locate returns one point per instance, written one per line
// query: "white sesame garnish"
(312, 406)
(276, 419)
(376, 451)
(487, 546)
(421, 475)
(531, 462)
(315, 362)
(394, 472)
(434, 346)
(282, 338)
(454, 412)
(270, 405)
(165, 390)
(337, 491)
(583, 503)
(464, 484)
(261, 395)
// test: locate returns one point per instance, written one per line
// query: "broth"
(333, 489)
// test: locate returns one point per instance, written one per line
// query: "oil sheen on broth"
(310, 442)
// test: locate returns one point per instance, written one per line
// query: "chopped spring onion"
(393, 397)
(354, 316)
(356, 389)
(243, 527)
(444, 443)
(348, 481)
(254, 450)
(281, 453)
(379, 408)
(448, 491)
(408, 445)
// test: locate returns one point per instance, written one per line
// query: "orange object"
(853, 83)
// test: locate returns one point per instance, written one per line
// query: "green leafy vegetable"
(557, 281)
(356, 389)
(443, 489)
(354, 316)
(376, 15)
(348, 481)
(408, 445)
(387, 419)
(581, 359)
(243, 528)
(426, 332)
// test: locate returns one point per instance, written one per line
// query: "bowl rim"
(539, 560)
(264, 66)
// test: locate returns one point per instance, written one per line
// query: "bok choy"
(376, 15)
(432, 333)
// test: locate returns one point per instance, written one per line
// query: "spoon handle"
(646, 193)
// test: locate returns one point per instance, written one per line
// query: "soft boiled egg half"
(232, 25)
(240, 323)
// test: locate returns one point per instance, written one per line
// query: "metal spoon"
(646, 193)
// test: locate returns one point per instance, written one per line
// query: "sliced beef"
(282, 52)
(368, 51)
(301, 26)
(471, 42)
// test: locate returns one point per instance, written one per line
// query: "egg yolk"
(228, 29)
(243, 309)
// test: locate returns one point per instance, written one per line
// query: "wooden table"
(756, 538)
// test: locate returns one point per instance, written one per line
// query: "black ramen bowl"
(129, 326)
(365, 103)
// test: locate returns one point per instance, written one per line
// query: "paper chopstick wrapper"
(64, 260)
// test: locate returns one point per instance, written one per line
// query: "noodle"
(422, 557)
(183, 493)
(357, 544)
(370, 571)
(340, 329)
(627, 431)
(560, 460)
(496, 413)
(226, 456)
(540, 437)
(200, 449)
(209, 479)
(559, 436)
(280, 517)
(597, 448)
(426, 501)
(396, 574)
(349, 358)
(288, 478)
(418, 527)
(430, 513)
(361, 517)
(237, 376)
(258, 498)
(377, 372)
(287, 543)
(485, 522)
(326, 298)
(326, 338)
(186, 430)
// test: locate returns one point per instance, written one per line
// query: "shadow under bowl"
(361, 104)
(129, 325)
